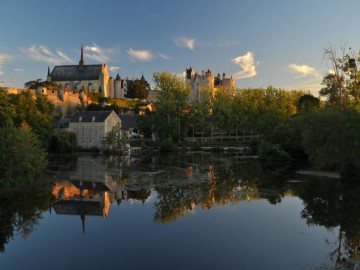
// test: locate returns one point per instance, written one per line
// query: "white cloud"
(18, 70)
(99, 54)
(114, 69)
(140, 55)
(4, 58)
(185, 42)
(163, 56)
(247, 65)
(43, 54)
(2, 71)
(304, 71)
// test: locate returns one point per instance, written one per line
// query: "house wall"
(89, 134)
(93, 134)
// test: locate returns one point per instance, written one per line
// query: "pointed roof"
(118, 77)
(82, 61)
(48, 72)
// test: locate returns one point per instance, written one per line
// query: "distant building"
(93, 78)
(91, 127)
(207, 81)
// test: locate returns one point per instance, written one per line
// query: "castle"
(207, 81)
(94, 78)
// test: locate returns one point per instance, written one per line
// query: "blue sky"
(259, 42)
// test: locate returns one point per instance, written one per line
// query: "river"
(195, 210)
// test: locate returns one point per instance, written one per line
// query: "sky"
(258, 42)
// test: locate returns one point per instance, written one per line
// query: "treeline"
(292, 125)
(26, 124)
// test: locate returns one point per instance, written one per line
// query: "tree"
(138, 89)
(307, 103)
(22, 157)
(117, 140)
(172, 107)
(334, 90)
(7, 109)
(37, 113)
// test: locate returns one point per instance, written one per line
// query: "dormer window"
(93, 119)
(80, 119)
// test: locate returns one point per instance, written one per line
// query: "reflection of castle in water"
(92, 187)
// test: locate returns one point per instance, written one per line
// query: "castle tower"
(111, 88)
(82, 61)
(117, 85)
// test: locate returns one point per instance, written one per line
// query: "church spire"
(82, 62)
(48, 71)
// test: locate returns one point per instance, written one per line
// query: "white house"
(91, 127)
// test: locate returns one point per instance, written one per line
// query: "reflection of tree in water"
(21, 209)
(205, 181)
(333, 204)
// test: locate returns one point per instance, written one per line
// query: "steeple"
(48, 78)
(82, 61)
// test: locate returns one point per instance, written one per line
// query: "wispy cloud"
(114, 69)
(140, 55)
(219, 44)
(2, 71)
(163, 56)
(42, 54)
(99, 54)
(18, 70)
(304, 71)
(184, 42)
(4, 58)
(247, 65)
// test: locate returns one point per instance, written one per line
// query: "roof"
(63, 122)
(128, 121)
(76, 72)
(87, 116)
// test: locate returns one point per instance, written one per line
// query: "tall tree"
(138, 89)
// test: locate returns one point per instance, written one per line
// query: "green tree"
(138, 89)
(307, 103)
(172, 106)
(38, 113)
(7, 109)
(22, 157)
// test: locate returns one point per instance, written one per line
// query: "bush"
(272, 155)
(167, 145)
(63, 143)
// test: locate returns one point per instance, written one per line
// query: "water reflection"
(178, 185)
(21, 210)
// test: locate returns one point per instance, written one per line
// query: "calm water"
(181, 211)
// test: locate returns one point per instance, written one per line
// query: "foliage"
(138, 89)
(307, 103)
(117, 140)
(37, 113)
(63, 143)
(40, 83)
(22, 157)
(169, 119)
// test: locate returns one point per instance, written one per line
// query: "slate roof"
(62, 122)
(87, 116)
(76, 73)
(128, 121)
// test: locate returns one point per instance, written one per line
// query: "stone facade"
(91, 127)
(207, 81)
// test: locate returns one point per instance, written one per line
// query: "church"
(93, 78)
